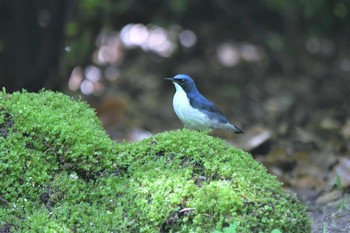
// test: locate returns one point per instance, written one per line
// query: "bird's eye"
(182, 80)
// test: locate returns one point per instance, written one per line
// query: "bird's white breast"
(190, 117)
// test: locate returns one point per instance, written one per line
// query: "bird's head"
(183, 81)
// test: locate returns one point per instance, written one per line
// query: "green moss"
(59, 172)
(47, 133)
(218, 185)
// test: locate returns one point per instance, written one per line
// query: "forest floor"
(328, 217)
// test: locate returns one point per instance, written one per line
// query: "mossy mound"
(191, 182)
(59, 172)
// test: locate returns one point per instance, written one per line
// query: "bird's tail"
(232, 127)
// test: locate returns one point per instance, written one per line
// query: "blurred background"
(279, 69)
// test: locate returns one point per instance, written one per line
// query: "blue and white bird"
(194, 110)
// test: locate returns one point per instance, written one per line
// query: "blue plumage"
(196, 111)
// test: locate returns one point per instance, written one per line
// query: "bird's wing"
(204, 104)
(212, 108)
(214, 113)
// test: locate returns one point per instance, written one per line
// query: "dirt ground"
(329, 217)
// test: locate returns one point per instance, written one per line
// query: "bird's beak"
(170, 79)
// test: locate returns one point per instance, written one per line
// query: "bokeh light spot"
(75, 79)
(187, 38)
(228, 54)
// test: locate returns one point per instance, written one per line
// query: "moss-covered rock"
(59, 172)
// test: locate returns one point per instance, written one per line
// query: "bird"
(194, 110)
